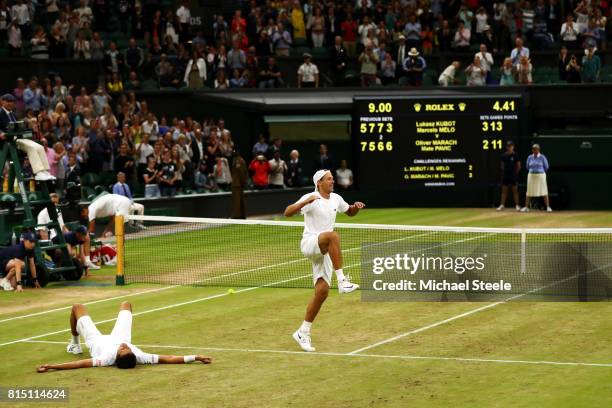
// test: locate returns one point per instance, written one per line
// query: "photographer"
(368, 60)
(260, 169)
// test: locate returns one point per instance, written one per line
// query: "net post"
(523, 252)
(120, 235)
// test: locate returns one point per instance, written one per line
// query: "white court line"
(379, 356)
(157, 309)
(59, 309)
(422, 329)
(473, 311)
(88, 303)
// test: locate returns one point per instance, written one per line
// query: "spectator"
(5, 19)
(387, 70)
(84, 12)
(57, 44)
(196, 72)
(20, 13)
(338, 61)
(278, 169)
(221, 81)
(349, 35)
(537, 165)
(476, 74)
(427, 40)
(261, 147)
(508, 73)
(363, 30)
(294, 170)
(524, 71)
(324, 161)
(115, 86)
(413, 66)
(134, 56)
(308, 73)
(486, 61)
(238, 80)
(32, 96)
(562, 62)
(73, 170)
(270, 76)
(202, 182)
(444, 36)
(591, 65)
(14, 39)
(412, 32)
(260, 170)
(40, 45)
(344, 176)
(168, 175)
(124, 162)
(369, 61)
(316, 25)
(281, 39)
(184, 17)
(236, 57)
(121, 187)
(461, 40)
(519, 51)
(573, 71)
(447, 77)
(541, 37)
(569, 33)
(591, 35)
(150, 177)
(113, 59)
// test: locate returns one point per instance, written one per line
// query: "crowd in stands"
(386, 42)
(85, 135)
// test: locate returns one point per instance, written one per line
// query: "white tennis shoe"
(345, 286)
(6, 285)
(74, 348)
(91, 265)
(501, 207)
(303, 339)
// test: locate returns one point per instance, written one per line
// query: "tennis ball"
(231, 291)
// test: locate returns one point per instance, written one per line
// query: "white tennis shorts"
(322, 266)
(122, 330)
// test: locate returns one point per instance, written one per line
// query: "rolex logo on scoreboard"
(462, 106)
(417, 107)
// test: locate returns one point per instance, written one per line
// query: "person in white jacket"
(195, 74)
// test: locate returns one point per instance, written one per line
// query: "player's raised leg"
(74, 346)
(329, 243)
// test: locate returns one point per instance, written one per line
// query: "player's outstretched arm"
(183, 359)
(294, 208)
(354, 209)
(66, 366)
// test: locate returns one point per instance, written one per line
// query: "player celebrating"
(114, 349)
(321, 245)
(109, 205)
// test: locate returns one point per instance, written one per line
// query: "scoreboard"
(434, 145)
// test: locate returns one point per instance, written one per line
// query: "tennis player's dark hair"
(127, 360)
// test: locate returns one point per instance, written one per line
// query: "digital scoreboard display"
(434, 144)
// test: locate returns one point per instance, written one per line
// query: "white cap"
(318, 176)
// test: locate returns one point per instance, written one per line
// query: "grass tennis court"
(368, 354)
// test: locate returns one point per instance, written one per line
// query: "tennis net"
(563, 263)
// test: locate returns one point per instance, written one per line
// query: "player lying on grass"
(321, 245)
(114, 349)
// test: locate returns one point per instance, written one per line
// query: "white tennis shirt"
(320, 215)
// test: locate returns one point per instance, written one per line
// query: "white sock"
(75, 339)
(339, 275)
(87, 259)
(305, 327)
